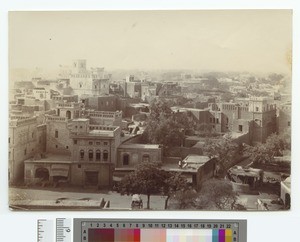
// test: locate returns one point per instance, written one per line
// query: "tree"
(164, 126)
(279, 143)
(173, 183)
(211, 81)
(186, 198)
(258, 154)
(241, 95)
(227, 97)
(275, 145)
(147, 179)
(259, 93)
(223, 150)
(158, 109)
(275, 78)
(217, 194)
(205, 129)
(167, 132)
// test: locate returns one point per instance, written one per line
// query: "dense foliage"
(224, 150)
(275, 145)
(165, 126)
(149, 179)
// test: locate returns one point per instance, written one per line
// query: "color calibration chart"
(91, 230)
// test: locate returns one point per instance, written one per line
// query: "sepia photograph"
(150, 110)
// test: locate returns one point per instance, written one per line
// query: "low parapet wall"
(58, 204)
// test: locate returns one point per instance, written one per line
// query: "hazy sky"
(226, 40)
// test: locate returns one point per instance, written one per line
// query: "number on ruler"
(44, 230)
(63, 229)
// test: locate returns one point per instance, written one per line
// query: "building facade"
(284, 117)
(26, 139)
(102, 103)
(130, 155)
(80, 151)
(104, 118)
(88, 82)
(257, 117)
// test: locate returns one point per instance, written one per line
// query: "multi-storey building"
(102, 103)
(81, 147)
(148, 90)
(257, 116)
(26, 139)
(87, 82)
(169, 89)
(130, 155)
(263, 112)
(133, 89)
(94, 142)
(41, 93)
(104, 118)
(284, 117)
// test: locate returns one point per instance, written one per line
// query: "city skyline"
(221, 40)
(168, 135)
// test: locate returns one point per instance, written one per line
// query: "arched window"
(126, 159)
(105, 155)
(56, 133)
(98, 155)
(81, 154)
(91, 155)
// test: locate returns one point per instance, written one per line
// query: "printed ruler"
(45, 231)
(62, 233)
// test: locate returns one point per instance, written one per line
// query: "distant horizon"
(195, 71)
(255, 41)
(54, 75)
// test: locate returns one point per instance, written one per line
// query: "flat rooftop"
(183, 109)
(236, 135)
(195, 138)
(51, 158)
(174, 168)
(199, 145)
(196, 159)
(252, 172)
(285, 158)
(138, 105)
(81, 119)
(106, 133)
(139, 146)
(190, 164)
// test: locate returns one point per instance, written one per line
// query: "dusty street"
(117, 201)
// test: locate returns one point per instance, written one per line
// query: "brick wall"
(62, 144)
(23, 144)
